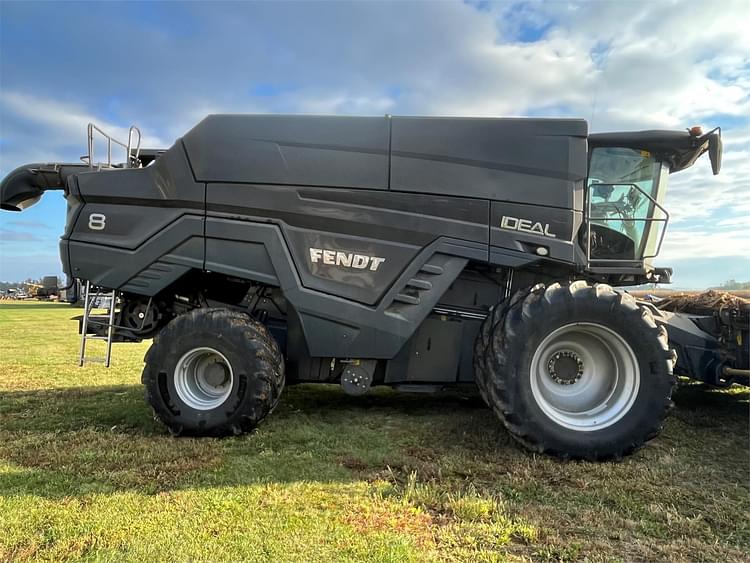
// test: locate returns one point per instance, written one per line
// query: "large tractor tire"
(577, 371)
(486, 331)
(213, 372)
(481, 344)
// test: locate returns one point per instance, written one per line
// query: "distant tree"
(733, 285)
(5, 285)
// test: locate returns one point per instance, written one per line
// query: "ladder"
(89, 301)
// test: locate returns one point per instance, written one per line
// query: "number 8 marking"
(97, 221)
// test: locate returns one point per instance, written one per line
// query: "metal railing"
(132, 147)
(649, 220)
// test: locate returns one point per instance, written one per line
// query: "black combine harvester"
(418, 253)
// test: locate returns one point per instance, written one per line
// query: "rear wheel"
(213, 372)
(578, 371)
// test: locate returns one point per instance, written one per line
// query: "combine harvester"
(417, 253)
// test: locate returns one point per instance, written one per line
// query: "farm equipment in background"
(47, 289)
(43, 291)
(14, 293)
(29, 290)
(418, 253)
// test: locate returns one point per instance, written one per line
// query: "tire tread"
(499, 337)
(243, 330)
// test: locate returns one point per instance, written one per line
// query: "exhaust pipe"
(24, 186)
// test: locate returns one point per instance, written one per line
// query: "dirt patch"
(382, 517)
(353, 463)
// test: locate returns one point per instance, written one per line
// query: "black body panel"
(349, 152)
(147, 229)
(333, 326)
(534, 161)
(551, 228)
(367, 223)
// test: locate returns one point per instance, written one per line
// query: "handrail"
(132, 151)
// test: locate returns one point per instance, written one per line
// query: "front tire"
(213, 372)
(578, 371)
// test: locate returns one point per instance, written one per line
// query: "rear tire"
(577, 371)
(213, 372)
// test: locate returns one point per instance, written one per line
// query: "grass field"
(86, 474)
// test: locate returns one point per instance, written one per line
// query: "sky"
(164, 66)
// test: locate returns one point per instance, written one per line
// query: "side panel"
(147, 269)
(528, 228)
(431, 355)
(349, 243)
(347, 152)
(137, 230)
(333, 326)
(243, 259)
(352, 267)
(536, 161)
(123, 225)
(166, 183)
(409, 218)
(441, 351)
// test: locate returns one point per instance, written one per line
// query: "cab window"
(616, 205)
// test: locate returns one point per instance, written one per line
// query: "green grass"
(86, 474)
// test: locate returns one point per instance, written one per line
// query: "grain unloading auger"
(418, 253)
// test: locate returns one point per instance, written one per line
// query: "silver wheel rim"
(584, 376)
(203, 378)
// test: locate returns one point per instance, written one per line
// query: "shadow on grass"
(70, 441)
(77, 441)
(121, 408)
(701, 405)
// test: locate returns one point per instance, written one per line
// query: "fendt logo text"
(345, 259)
(516, 224)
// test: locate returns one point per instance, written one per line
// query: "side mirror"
(715, 149)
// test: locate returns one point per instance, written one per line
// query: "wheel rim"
(203, 378)
(584, 376)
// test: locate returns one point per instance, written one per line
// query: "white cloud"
(696, 195)
(339, 103)
(660, 64)
(705, 244)
(51, 126)
(734, 222)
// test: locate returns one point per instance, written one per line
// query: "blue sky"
(621, 65)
